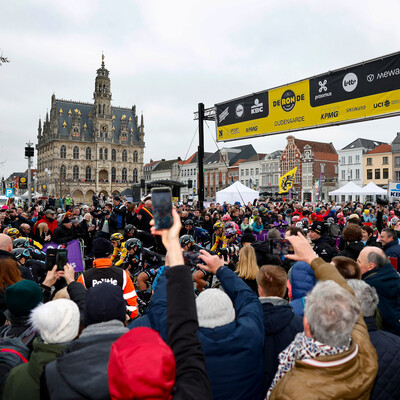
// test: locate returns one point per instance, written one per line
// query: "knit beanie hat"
(214, 308)
(22, 297)
(154, 379)
(57, 321)
(248, 238)
(104, 302)
(102, 248)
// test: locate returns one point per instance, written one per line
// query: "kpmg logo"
(223, 115)
(350, 82)
(257, 107)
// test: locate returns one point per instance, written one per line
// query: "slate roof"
(86, 109)
(165, 165)
(383, 148)
(397, 138)
(245, 153)
(194, 159)
(362, 143)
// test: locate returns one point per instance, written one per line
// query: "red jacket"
(51, 224)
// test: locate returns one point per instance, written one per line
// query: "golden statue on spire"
(102, 58)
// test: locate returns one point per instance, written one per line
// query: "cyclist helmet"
(13, 233)
(299, 224)
(228, 225)
(230, 232)
(226, 217)
(18, 243)
(117, 237)
(295, 218)
(130, 244)
(330, 220)
(304, 221)
(186, 239)
(218, 225)
(188, 222)
(19, 253)
(129, 228)
(394, 221)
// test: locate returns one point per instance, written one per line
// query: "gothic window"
(99, 108)
(135, 175)
(104, 89)
(124, 174)
(106, 154)
(135, 156)
(88, 173)
(124, 156)
(75, 174)
(104, 108)
(63, 172)
(100, 88)
(101, 153)
(76, 153)
(76, 132)
(88, 153)
(113, 155)
(63, 152)
(113, 174)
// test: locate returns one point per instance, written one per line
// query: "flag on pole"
(286, 181)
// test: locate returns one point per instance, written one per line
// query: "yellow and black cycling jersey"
(218, 240)
(31, 241)
(120, 252)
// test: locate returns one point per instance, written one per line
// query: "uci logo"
(385, 103)
(288, 100)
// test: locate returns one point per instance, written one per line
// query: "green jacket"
(23, 381)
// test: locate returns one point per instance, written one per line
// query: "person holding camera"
(108, 223)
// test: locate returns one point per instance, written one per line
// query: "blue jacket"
(387, 347)
(280, 327)
(392, 249)
(302, 280)
(386, 281)
(234, 352)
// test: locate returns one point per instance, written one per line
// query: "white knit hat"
(57, 321)
(214, 308)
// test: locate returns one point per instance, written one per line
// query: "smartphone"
(62, 259)
(161, 198)
(281, 247)
(51, 261)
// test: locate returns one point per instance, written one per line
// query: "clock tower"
(102, 102)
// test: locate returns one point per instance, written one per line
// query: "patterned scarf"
(302, 347)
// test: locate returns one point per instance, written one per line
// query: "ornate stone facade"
(86, 148)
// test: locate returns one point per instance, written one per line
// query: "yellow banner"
(360, 92)
(286, 181)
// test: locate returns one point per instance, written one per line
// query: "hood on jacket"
(276, 318)
(302, 279)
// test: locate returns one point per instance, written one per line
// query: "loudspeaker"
(136, 194)
(142, 183)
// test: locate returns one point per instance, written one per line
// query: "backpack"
(13, 351)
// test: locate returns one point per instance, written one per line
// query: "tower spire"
(102, 59)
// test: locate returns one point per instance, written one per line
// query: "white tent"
(34, 195)
(372, 189)
(237, 192)
(349, 189)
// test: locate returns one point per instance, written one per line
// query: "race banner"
(74, 253)
(364, 91)
(286, 181)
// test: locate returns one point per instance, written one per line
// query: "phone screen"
(62, 259)
(162, 207)
(281, 247)
(51, 258)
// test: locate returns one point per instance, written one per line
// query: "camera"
(228, 251)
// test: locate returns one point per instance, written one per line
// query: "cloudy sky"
(166, 57)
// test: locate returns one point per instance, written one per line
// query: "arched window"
(63, 172)
(99, 108)
(88, 173)
(113, 155)
(106, 154)
(76, 153)
(124, 174)
(113, 174)
(101, 153)
(63, 152)
(100, 88)
(135, 156)
(124, 156)
(75, 174)
(104, 108)
(104, 89)
(135, 175)
(88, 153)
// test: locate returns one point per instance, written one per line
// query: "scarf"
(302, 347)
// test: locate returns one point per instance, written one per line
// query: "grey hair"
(331, 312)
(378, 259)
(366, 295)
(273, 234)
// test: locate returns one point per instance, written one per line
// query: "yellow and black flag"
(286, 181)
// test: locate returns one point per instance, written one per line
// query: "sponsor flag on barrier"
(286, 181)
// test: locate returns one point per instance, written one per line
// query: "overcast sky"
(167, 56)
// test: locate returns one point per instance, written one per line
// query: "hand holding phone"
(162, 207)
(61, 259)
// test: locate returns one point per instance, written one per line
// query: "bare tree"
(3, 59)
